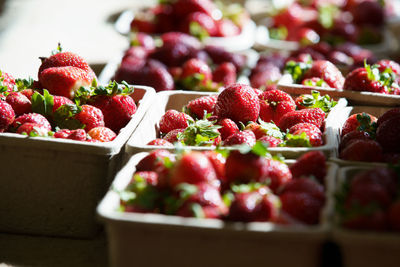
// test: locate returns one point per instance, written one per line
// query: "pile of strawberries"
(180, 62)
(366, 138)
(241, 114)
(308, 22)
(199, 18)
(247, 185)
(370, 200)
(65, 102)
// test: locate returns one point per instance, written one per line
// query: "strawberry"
(278, 174)
(192, 168)
(58, 101)
(219, 55)
(228, 128)
(184, 7)
(313, 133)
(375, 220)
(143, 25)
(239, 103)
(91, 117)
(218, 162)
(270, 140)
(387, 135)
(102, 134)
(200, 133)
(274, 104)
(158, 161)
(78, 134)
(225, 73)
(182, 38)
(33, 129)
(267, 76)
(359, 122)
(7, 115)
(159, 142)
(354, 135)
(32, 118)
(306, 36)
(314, 116)
(310, 164)
(315, 100)
(28, 93)
(64, 81)
(394, 112)
(364, 79)
(226, 28)
(305, 185)
(173, 119)
(200, 25)
(142, 39)
(264, 129)
(368, 12)
(117, 109)
(157, 77)
(289, 17)
(383, 176)
(362, 150)
(388, 64)
(201, 106)
(19, 102)
(7, 82)
(241, 137)
(195, 73)
(327, 72)
(394, 216)
(172, 136)
(173, 54)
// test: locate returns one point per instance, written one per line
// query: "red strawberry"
(394, 112)
(314, 116)
(20, 103)
(383, 176)
(7, 80)
(362, 150)
(270, 140)
(28, 93)
(241, 137)
(274, 104)
(202, 105)
(156, 161)
(327, 72)
(238, 102)
(387, 135)
(144, 40)
(7, 115)
(59, 101)
(310, 164)
(173, 119)
(204, 21)
(265, 76)
(192, 168)
(394, 216)
(362, 79)
(102, 134)
(117, 110)
(314, 81)
(143, 25)
(375, 220)
(302, 206)
(306, 36)
(278, 174)
(35, 129)
(218, 161)
(388, 64)
(150, 177)
(225, 73)
(64, 81)
(356, 120)
(313, 132)
(172, 136)
(159, 142)
(91, 117)
(78, 134)
(182, 38)
(33, 118)
(184, 7)
(354, 135)
(65, 59)
(219, 55)
(226, 28)
(229, 127)
(157, 77)
(305, 185)
(195, 72)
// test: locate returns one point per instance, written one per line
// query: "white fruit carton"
(347, 112)
(148, 129)
(52, 186)
(243, 41)
(135, 238)
(365, 248)
(354, 97)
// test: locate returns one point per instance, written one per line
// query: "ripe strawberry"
(310, 164)
(394, 112)
(157, 77)
(78, 134)
(102, 134)
(265, 76)
(20, 103)
(226, 28)
(274, 104)
(150, 177)
(182, 38)
(314, 116)
(142, 39)
(173, 54)
(195, 72)
(117, 110)
(228, 128)
(7, 115)
(218, 161)
(143, 25)
(383, 176)
(278, 174)
(368, 12)
(7, 80)
(199, 106)
(327, 72)
(270, 140)
(219, 55)
(160, 142)
(172, 136)
(302, 206)
(314, 81)
(313, 133)
(241, 137)
(362, 150)
(375, 220)
(225, 73)
(289, 17)
(33, 118)
(157, 161)
(306, 36)
(387, 135)
(354, 135)
(305, 185)
(394, 216)
(388, 64)
(64, 81)
(65, 59)
(192, 168)
(358, 122)
(364, 79)
(28, 93)
(238, 102)
(33, 129)
(173, 119)
(184, 7)
(199, 25)
(59, 101)
(91, 117)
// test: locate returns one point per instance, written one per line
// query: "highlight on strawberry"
(239, 116)
(219, 184)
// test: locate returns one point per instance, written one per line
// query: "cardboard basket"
(365, 248)
(354, 97)
(148, 128)
(135, 238)
(52, 186)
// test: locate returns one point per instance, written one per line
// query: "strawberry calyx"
(315, 82)
(185, 191)
(372, 71)
(366, 124)
(271, 129)
(198, 31)
(42, 104)
(298, 140)
(246, 188)
(22, 84)
(315, 100)
(63, 117)
(297, 69)
(200, 133)
(278, 33)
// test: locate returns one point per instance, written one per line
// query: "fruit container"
(138, 237)
(148, 128)
(52, 186)
(355, 98)
(346, 112)
(243, 41)
(365, 248)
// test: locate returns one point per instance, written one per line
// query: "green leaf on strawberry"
(279, 33)
(42, 104)
(366, 124)
(198, 31)
(228, 198)
(197, 210)
(372, 71)
(63, 117)
(297, 69)
(301, 140)
(199, 133)
(246, 188)
(22, 84)
(271, 129)
(315, 100)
